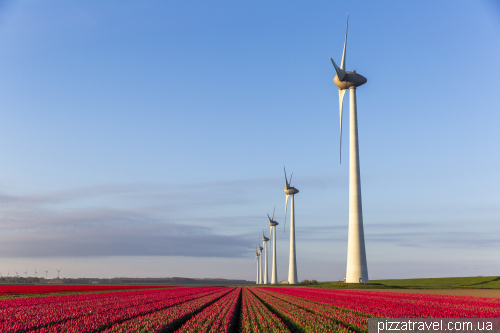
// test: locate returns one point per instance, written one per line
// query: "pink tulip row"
(308, 321)
(216, 317)
(74, 313)
(257, 318)
(348, 318)
(167, 318)
(400, 305)
(37, 289)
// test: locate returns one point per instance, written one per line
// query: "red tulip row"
(308, 321)
(400, 305)
(74, 313)
(348, 318)
(33, 289)
(216, 317)
(163, 319)
(257, 318)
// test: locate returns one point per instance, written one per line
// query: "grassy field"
(482, 282)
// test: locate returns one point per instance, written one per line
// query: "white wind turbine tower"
(264, 241)
(261, 280)
(291, 191)
(357, 270)
(272, 227)
(257, 281)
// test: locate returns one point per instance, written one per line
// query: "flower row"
(34, 289)
(88, 312)
(257, 318)
(216, 317)
(348, 318)
(307, 320)
(399, 305)
(166, 318)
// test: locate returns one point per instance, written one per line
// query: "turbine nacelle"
(289, 190)
(264, 238)
(272, 222)
(351, 79)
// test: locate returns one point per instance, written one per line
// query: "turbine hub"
(273, 223)
(291, 191)
(265, 239)
(352, 79)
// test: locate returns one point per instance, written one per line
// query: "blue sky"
(148, 138)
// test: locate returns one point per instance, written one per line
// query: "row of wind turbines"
(26, 273)
(262, 275)
(357, 269)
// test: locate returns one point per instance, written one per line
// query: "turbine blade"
(286, 180)
(271, 231)
(340, 72)
(286, 208)
(342, 63)
(341, 103)
(269, 217)
(290, 179)
(274, 212)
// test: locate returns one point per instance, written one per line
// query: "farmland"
(9, 290)
(230, 309)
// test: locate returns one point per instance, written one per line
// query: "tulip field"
(230, 309)
(52, 289)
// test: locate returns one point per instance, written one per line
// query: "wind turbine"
(26, 273)
(357, 270)
(272, 228)
(257, 281)
(35, 272)
(264, 241)
(58, 270)
(291, 191)
(260, 263)
(46, 272)
(17, 273)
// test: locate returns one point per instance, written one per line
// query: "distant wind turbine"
(26, 273)
(58, 270)
(35, 272)
(272, 227)
(257, 281)
(357, 270)
(260, 263)
(17, 273)
(264, 241)
(46, 272)
(291, 191)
